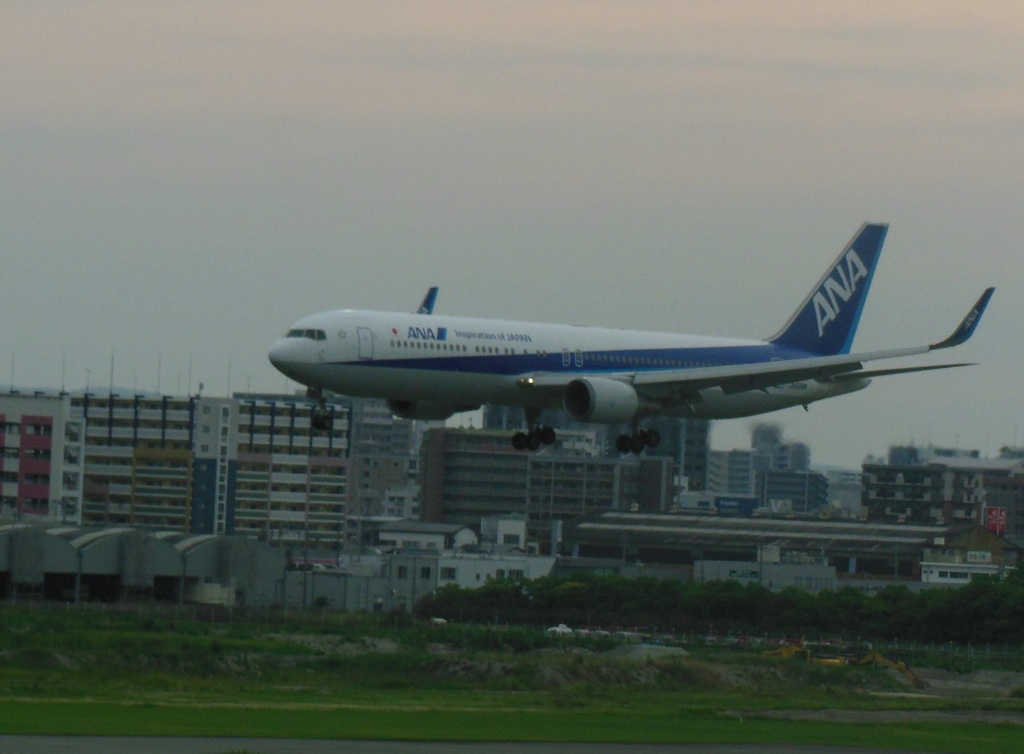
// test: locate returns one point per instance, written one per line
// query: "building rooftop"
(718, 532)
(422, 527)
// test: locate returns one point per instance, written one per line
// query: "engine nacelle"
(426, 410)
(600, 400)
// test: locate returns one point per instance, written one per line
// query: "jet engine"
(426, 410)
(600, 400)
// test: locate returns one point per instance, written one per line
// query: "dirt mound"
(994, 683)
(643, 652)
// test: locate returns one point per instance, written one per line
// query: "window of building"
(425, 572)
(403, 572)
(448, 573)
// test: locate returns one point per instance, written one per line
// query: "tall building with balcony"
(245, 465)
(289, 481)
(958, 490)
(138, 460)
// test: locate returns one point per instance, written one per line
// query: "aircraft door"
(365, 343)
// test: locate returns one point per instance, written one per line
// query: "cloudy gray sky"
(180, 181)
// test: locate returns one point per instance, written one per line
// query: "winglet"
(969, 324)
(427, 305)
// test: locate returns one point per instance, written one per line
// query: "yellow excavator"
(877, 658)
(871, 658)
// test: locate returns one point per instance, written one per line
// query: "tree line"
(988, 609)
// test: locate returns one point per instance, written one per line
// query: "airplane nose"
(280, 354)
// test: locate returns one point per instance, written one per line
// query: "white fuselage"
(465, 362)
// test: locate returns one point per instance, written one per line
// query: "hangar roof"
(723, 532)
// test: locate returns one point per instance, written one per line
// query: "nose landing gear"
(320, 417)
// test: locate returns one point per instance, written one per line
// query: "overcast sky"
(181, 181)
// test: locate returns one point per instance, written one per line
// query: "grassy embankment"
(86, 672)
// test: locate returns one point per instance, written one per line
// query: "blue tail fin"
(427, 305)
(827, 320)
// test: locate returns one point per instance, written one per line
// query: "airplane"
(429, 366)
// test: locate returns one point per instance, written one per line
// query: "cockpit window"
(311, 334)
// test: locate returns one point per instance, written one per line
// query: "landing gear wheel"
(322, 420)
(536, 435)
(320, 417)
(636, 444)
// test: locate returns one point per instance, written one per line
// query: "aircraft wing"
(678, 385)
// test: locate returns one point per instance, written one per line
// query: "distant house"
(426, 536)
(956, 559)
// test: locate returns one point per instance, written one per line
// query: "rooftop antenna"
(112, 372)
(159, 369)
(190, 373)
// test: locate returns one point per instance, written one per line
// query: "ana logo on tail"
(838, 288)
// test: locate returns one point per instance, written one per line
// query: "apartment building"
(244, 465)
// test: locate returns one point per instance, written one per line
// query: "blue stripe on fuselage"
(610, 361)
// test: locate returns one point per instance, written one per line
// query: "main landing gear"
(540, 435)
(320, 417)
(536, 435)
(534, 438)
(636, 442)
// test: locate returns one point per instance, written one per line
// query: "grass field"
(45, 717)
(81, 673)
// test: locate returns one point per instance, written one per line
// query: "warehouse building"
(75, 564)
(861, 554)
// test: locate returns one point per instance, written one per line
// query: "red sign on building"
(996, 520)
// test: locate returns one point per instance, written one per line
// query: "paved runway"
(138, 745)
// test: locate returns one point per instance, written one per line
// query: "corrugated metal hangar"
(75, 564)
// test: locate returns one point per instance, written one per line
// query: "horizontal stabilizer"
(899, 370)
